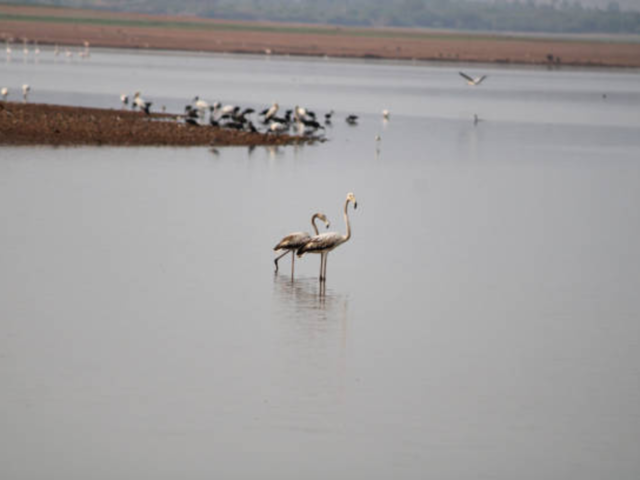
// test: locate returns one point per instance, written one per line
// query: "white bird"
(294, 241)
(278, 127)
(228, 109)
(124, 98)
(385, 114)
(299, 113)
(25, 91)
(5, 93)
(271, 112)
(201, 106)
(474, 82)
(327, 242)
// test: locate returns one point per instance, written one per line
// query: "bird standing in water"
(294, 241)
(326, 242)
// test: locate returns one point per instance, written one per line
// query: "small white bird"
(124, 98)
(474, 82)
(25, 91)
(271, 112)
(385, 114)
(278, 127)
(5, 93)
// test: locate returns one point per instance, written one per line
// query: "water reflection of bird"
(326, 242)
(294, 241)
(474, 82)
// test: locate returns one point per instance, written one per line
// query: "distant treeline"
(557, 16)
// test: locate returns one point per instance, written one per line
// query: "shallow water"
(481, 323)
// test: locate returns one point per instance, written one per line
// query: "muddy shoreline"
(65, 26)
(56, 125)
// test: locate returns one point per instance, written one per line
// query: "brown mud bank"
(43, 124)
(67, 26)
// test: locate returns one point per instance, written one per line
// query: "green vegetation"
(559, 16)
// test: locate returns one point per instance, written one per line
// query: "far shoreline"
(70, 28)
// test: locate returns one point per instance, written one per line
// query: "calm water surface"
(482, 322)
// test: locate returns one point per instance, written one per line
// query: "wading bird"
(474, 82)
(124, 98)
(5, 93)
(294, 241)
(326, 242)
(25, 92)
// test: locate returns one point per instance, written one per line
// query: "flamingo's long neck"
(346, 221)
(313, 222)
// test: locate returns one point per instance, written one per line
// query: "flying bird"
(474, 82)
(294, 241)
(327, 242)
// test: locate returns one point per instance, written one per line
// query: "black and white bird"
(139, 102)
(474, 82)
(278, 127)
(124, 98)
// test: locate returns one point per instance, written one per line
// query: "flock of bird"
(10, 49)
(200, 113)
(300, 243)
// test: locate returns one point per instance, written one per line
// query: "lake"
(482, 322)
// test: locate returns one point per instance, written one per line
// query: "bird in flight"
(474, 82)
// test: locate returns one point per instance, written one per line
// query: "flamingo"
(124, 98)
(474, 82)
(326, 242)
(5, 93)
(294, 241)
